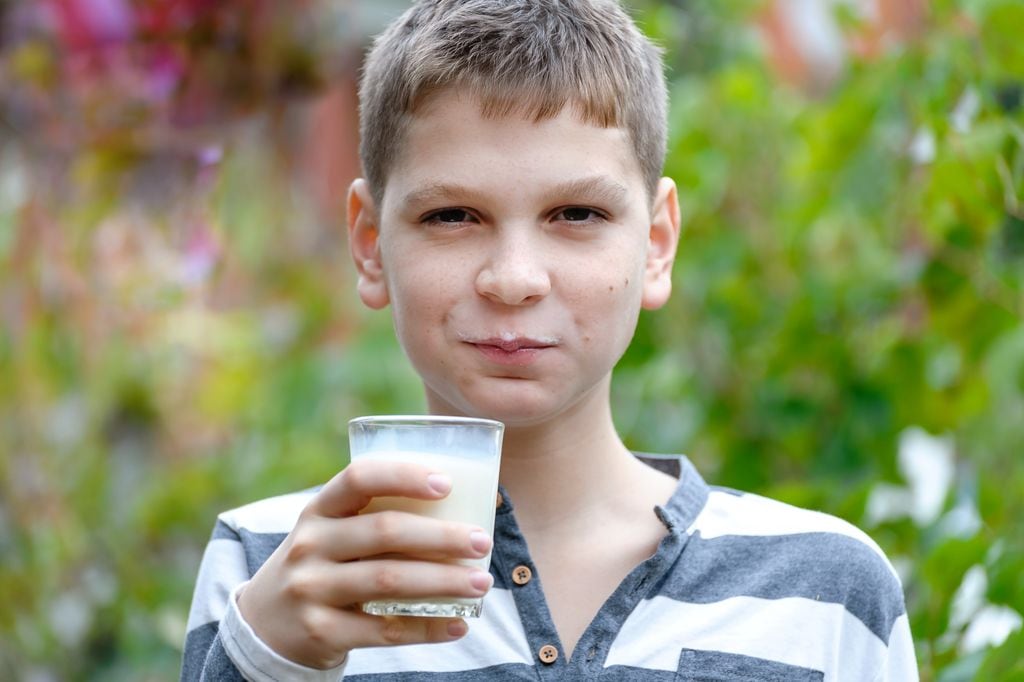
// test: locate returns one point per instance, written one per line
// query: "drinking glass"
(466, 449)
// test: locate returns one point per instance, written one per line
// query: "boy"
(514, 219)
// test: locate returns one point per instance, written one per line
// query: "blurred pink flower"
(163, 73)
(210, 155)
(208, 166)
(89, 24)
(172, 16)
(202, 251)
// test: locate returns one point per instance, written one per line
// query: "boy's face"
(516, 256)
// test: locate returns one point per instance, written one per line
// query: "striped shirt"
(740, 588)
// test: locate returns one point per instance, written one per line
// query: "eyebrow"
(598, 188)
(595, 187)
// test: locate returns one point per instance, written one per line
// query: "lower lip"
(515, 358)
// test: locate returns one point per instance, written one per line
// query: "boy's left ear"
(364, 245)
(661, 247)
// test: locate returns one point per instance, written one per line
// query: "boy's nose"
(513, 275)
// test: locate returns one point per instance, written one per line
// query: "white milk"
(471, 500)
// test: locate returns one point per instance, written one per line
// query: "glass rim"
(423, 420)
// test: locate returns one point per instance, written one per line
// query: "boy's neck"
(585, 507)
(564, 474)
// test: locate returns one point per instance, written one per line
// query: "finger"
(341, 585)
(397, 630)
(324, 635)
(393, 532)
(363, 630)
(359, 482)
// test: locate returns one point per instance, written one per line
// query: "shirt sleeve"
(901, 662)
(257, 661)
(219, 644)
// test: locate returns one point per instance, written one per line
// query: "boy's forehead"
(524, 107)
(452, 145)
(597, 187)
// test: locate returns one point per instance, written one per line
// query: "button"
(521, 575)
(548, 654)
(499, 501)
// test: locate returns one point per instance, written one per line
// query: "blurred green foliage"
(180, 336)
(852, 268)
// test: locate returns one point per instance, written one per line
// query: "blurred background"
(179, 332)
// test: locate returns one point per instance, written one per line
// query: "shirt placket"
(593, 647)
(514, 570)
(513, 567)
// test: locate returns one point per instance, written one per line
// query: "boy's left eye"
(448, 216)
(578, 214)
(451, 215)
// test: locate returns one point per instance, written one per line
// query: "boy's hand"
(304, 601)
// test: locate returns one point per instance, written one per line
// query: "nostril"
(512, 286)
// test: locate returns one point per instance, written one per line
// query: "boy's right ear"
(364, 245)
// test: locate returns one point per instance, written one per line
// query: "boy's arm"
(222, 568)
(301, 608)
(216, 628)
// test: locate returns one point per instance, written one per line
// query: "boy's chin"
(523, 421)
(521, 411)
(512, 417)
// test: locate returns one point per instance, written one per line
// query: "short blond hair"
(529, 57)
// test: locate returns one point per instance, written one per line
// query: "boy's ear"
(364, 245)
(661, 247)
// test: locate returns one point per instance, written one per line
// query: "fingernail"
(457, 628)
(480, 580)
(480, 541)
(440, 483)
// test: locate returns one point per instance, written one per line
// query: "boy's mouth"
(512, 344)
(512, 350)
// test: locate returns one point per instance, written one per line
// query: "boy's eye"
(578, 214)
(449, 215)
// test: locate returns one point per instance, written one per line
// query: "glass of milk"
(469, 451)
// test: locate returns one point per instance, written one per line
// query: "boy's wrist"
(255, 659)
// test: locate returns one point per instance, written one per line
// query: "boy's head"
(526, 57)
(513, 215)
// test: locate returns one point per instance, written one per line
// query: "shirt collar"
(691, 493)
(681, 510)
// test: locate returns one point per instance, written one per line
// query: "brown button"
(499, 501)
(548, 654)
(521, 575)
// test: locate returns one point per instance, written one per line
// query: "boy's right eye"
(450, 216)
